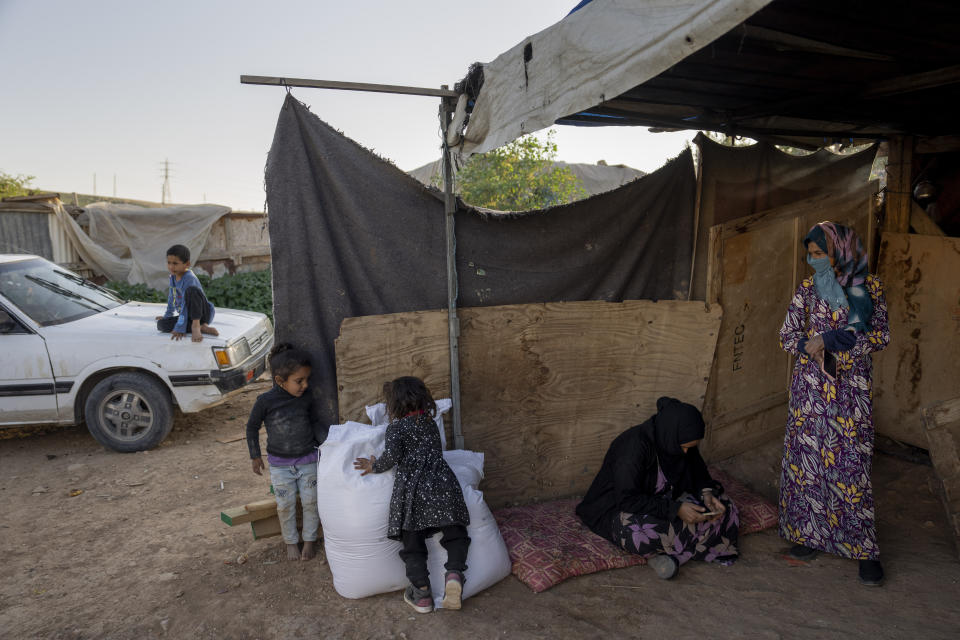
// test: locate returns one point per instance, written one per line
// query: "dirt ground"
(142, 553)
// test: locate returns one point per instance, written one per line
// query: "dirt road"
(141, 553)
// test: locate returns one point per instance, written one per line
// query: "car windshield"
(50, 294)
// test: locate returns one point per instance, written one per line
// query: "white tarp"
(129, 243)
(595, 54)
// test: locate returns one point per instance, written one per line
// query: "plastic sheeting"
(129, 243)
(602, 50)
(352, 235)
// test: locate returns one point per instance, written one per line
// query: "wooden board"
(942, 424)
(266, 528)
(921, 366)
(756, 264)
(545, 387)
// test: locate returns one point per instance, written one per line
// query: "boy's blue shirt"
(175, 299)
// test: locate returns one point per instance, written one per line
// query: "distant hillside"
(594, 178)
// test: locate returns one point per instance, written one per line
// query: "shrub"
(248, 291)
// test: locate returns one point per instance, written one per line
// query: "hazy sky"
(116, 87)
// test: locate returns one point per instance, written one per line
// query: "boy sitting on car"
(187, 305)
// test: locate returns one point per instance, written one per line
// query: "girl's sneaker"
(452, 590)
(419, 599)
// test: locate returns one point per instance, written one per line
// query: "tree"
(14, 185)
(518, 177)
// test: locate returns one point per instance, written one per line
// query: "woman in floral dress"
(836, 320)
(654, 497)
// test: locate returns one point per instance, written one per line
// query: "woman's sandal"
(800, 552)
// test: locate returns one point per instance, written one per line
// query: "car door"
(27, 387)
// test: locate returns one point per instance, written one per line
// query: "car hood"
(130, 331)
(139, 319)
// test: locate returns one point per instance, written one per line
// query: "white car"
(74, 352)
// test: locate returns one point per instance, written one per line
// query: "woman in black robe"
(653, 495)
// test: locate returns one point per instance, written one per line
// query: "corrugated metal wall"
(38, 232)
(26, 232)
(63, 250)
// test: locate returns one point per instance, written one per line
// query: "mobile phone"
(710, 513)
(829, 365)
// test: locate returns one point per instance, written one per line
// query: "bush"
(248, 291)
(139, 292)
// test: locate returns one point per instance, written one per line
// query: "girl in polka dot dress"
(426, 494)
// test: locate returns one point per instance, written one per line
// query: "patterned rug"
(548, 543)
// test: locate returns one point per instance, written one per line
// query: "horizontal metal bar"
(348, 86)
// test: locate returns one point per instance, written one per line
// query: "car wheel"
(129, 412)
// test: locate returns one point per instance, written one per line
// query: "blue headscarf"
(842, 284)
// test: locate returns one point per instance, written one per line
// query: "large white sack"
(488, 561)
(377, 413)
(354, 510)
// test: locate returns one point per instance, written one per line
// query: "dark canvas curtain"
(739, 181)
(352, 235)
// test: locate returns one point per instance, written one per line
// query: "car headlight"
(233, 354)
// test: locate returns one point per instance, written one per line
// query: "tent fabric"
(739, 181)
(352, 235)
(601, 50)
(129, 243)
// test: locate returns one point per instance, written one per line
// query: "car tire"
(129, 412)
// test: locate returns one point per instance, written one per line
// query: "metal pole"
(447, 107)
(449, 208)
(348, 86)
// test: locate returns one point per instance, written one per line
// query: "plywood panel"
(942, 424)
(921, 365)
(545, 387)
(757, 263)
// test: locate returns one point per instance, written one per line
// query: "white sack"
(354, 510)
(488, 561)
(377, 413)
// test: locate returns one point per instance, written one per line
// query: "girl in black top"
(426, 494)
(293, 438)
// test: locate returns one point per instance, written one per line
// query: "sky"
(113, 89)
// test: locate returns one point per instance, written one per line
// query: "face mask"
(820, 265)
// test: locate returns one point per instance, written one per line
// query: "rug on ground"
(548, 543)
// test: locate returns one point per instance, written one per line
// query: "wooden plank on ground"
(942, 422)
(545, 387)
(756, 267)
(249, 512)
(240, 515)
(921, 366)
(267, 504)
(266, 528)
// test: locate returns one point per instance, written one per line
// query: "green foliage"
(139, 292)
(247, 291)
(518, 177)
(14, 185)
